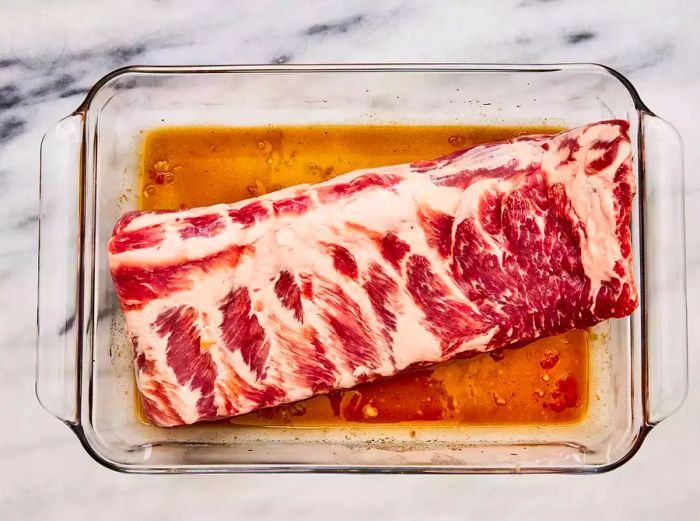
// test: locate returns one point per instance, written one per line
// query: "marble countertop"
(52, 52)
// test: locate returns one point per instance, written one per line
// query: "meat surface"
(232, 308)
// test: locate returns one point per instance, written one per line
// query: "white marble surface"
(51, 52)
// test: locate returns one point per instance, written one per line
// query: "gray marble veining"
(50, 55)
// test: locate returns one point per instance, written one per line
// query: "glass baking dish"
(89, 177)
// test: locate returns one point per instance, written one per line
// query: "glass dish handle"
(664, 258)
(57, 305)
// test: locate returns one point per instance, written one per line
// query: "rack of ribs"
(313, 288)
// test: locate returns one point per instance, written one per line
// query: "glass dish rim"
(397, 67)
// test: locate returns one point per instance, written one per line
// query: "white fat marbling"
(51, 52)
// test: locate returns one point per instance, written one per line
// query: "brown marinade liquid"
(544, 382)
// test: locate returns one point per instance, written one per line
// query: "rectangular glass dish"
(90, 176)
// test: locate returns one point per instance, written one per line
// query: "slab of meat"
(232, 308)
